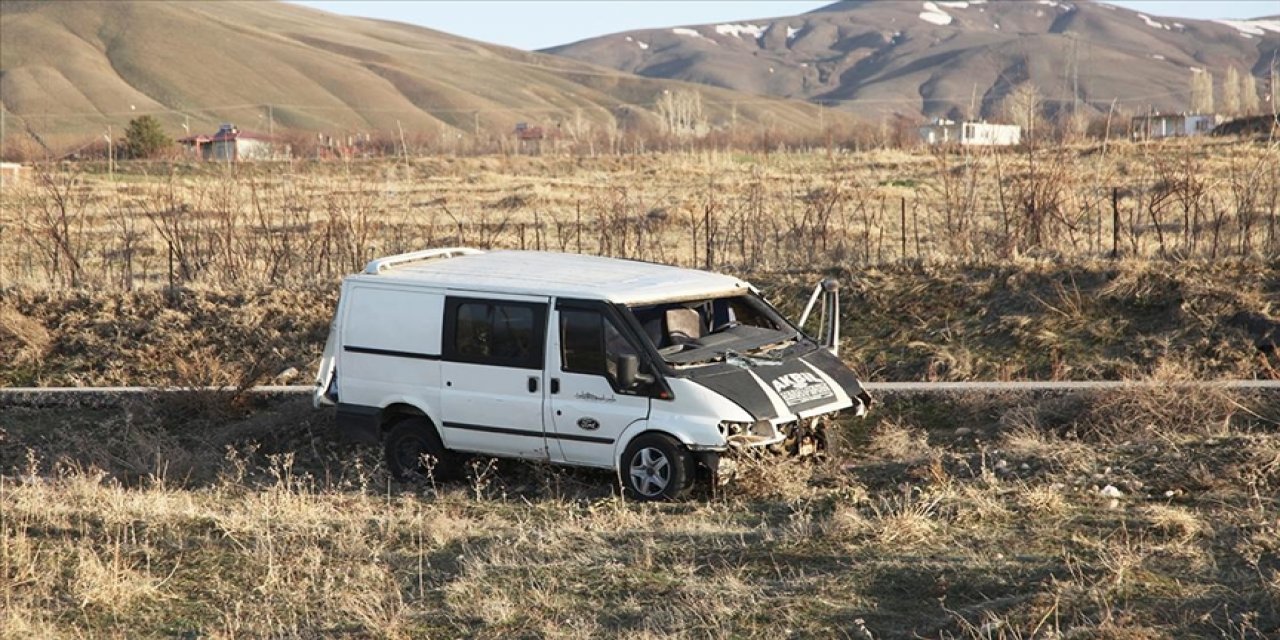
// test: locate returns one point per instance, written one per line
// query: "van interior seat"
(684, 326)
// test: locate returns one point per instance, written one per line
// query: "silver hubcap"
(650, 471)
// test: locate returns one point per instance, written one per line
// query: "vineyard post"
(1115, 222)
(902, 208)
(172, 285)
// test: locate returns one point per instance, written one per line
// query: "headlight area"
(750, 434)
(804, 437)
(762, 439)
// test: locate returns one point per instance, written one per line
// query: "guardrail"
(19, 396)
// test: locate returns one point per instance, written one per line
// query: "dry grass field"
(956, 265)
(1018, 321)
(306, 222)
(1137, 514)
(1145, 513)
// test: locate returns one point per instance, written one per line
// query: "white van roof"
(552, 274)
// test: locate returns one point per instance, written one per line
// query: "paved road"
(72, 395)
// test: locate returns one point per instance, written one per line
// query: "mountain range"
(70, 69)
(957, 59)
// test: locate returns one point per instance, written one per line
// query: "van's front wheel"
(656, 467)
(414, 451)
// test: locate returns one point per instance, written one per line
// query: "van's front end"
(743, 378)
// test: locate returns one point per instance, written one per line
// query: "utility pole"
(1075, 76)
(404, 148)
(111, 154)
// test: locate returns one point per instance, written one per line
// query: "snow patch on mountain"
(753, 30)
(692, 33)
(1252, 27)
(934, 15)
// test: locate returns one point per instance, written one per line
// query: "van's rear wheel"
(414, 452)
(656, 467)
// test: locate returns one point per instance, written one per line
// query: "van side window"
(591, 344)
(582, 342)
(494, 332)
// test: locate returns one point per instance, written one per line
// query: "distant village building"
(1172, 125)
(526, 132)
(530, 138)
(985, 134)
(230, 144)
(12, 173)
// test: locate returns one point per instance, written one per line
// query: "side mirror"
(628, 370)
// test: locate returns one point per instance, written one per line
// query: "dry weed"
(23, 339)
(1176, 522)
(110, 579)
(902, 442)
(1046, 501)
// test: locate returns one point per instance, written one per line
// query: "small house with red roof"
(230, 144)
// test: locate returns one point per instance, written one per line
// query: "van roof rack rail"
(379, 265)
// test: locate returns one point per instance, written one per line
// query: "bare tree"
(1275, 86)
(1231, 92)
(1022, 107)
(681, 113)
(1075, 124)
(1248, 94)
(1201, 91)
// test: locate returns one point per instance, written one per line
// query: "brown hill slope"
(67, 69)
(949, 58)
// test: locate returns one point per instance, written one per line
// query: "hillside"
(949, 58)
(69, 69)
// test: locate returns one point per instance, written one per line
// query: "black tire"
(656, 467)
(412, 439)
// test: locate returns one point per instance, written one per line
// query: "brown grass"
(275, 530)
(216, 515)
(1165, 322)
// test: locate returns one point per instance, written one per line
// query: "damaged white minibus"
(649, 370)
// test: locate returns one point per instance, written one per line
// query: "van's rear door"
(492, 352)
(325, 393)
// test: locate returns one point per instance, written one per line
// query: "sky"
(535, 24)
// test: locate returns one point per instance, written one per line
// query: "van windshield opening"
(711, 329)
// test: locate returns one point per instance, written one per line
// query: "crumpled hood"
(784, 388)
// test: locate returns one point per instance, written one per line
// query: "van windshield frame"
(717, 328)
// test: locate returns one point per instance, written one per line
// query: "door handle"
(533, 384)
(555, 385)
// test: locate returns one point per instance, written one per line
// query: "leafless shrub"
(293, 223)
(56, 222)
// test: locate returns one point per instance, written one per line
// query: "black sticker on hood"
(791, 383)
(836, 370)
(800, 388)
(738, 386)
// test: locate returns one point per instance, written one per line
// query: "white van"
(646, 369)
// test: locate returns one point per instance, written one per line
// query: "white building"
(232, 144)
(1171, 125)
(942, 131)
(12, 173)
